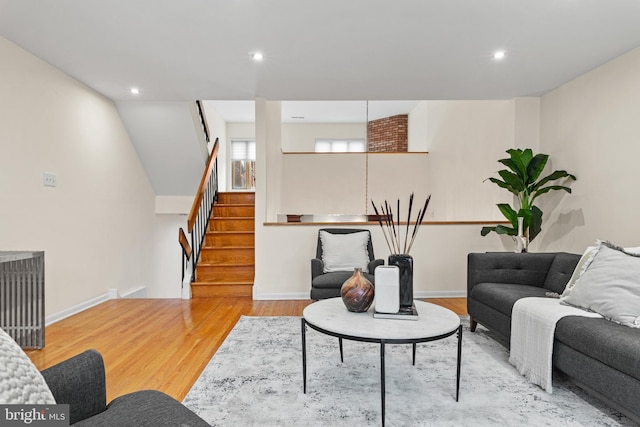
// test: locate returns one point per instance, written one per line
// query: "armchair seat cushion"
(502, 296)
(147, 408)
(335, 279)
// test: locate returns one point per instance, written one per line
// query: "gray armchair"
(327, 285)
(80, 383)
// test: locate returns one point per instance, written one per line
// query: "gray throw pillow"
(610, 286)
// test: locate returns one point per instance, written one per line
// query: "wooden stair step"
(224, 273)
(228, 255)
(232, 224)
(205, 289)
(229, 238)
(243, 210)
(236, 198)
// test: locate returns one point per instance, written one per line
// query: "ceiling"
(322, 49)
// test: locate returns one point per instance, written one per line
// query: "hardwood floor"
(161, 344)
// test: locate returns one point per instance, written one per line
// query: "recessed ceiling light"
(134, 91)
(500, 54)
(257, 56)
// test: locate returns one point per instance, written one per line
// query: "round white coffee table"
(331, 317)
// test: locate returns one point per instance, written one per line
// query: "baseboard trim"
(281, 296)
(440, 294)
(305, 295)
(140, 292)
(111, 294)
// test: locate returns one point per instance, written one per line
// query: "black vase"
(405, 264)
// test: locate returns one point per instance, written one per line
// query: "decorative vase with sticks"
(399, 250)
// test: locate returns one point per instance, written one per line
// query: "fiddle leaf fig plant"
(522, 178)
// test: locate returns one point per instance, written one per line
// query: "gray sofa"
(601, 356)
(80, 382)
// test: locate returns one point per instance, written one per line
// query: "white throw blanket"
(533, 324)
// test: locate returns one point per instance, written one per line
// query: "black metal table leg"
(341, 354)
(414, 354)
(304, 356)
(459, 360)
(382, 388)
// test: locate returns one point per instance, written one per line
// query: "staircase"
(227, 260)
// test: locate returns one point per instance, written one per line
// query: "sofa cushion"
(560, 272)
(502, 296)
(613, 344)
(20, 380)
(147, 408)
(507, 267)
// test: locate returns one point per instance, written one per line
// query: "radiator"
(22, 297)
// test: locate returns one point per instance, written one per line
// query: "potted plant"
(522, 178)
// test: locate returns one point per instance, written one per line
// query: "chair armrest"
(373, 264)
(80, 383)
(508, 267)
(317, 267)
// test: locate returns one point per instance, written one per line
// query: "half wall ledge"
(304, 220)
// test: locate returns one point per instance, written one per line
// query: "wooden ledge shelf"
(375, 223)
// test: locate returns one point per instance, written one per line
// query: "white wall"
(169, 140)
(417, 133)
(166, 270)
(465, 140)
(590, 127)
(301, 137)
(240, 130)
(439, 252)
(218, 129)
(526, 121)
(323, 184)
(395, 176)
(96, 226)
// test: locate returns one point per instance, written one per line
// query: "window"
(339, 146)
(243, 164)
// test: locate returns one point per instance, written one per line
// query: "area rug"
(255, 379)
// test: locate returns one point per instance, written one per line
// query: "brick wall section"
(389, 134)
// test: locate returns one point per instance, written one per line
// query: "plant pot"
(405, 264)
(357, 292)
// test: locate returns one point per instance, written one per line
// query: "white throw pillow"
(20, 381)
(582, 265)
(584, 262)
(610, 286)
(344, 252)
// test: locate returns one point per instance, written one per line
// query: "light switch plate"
(49, 179)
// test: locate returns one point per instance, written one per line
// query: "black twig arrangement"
(388, 225)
